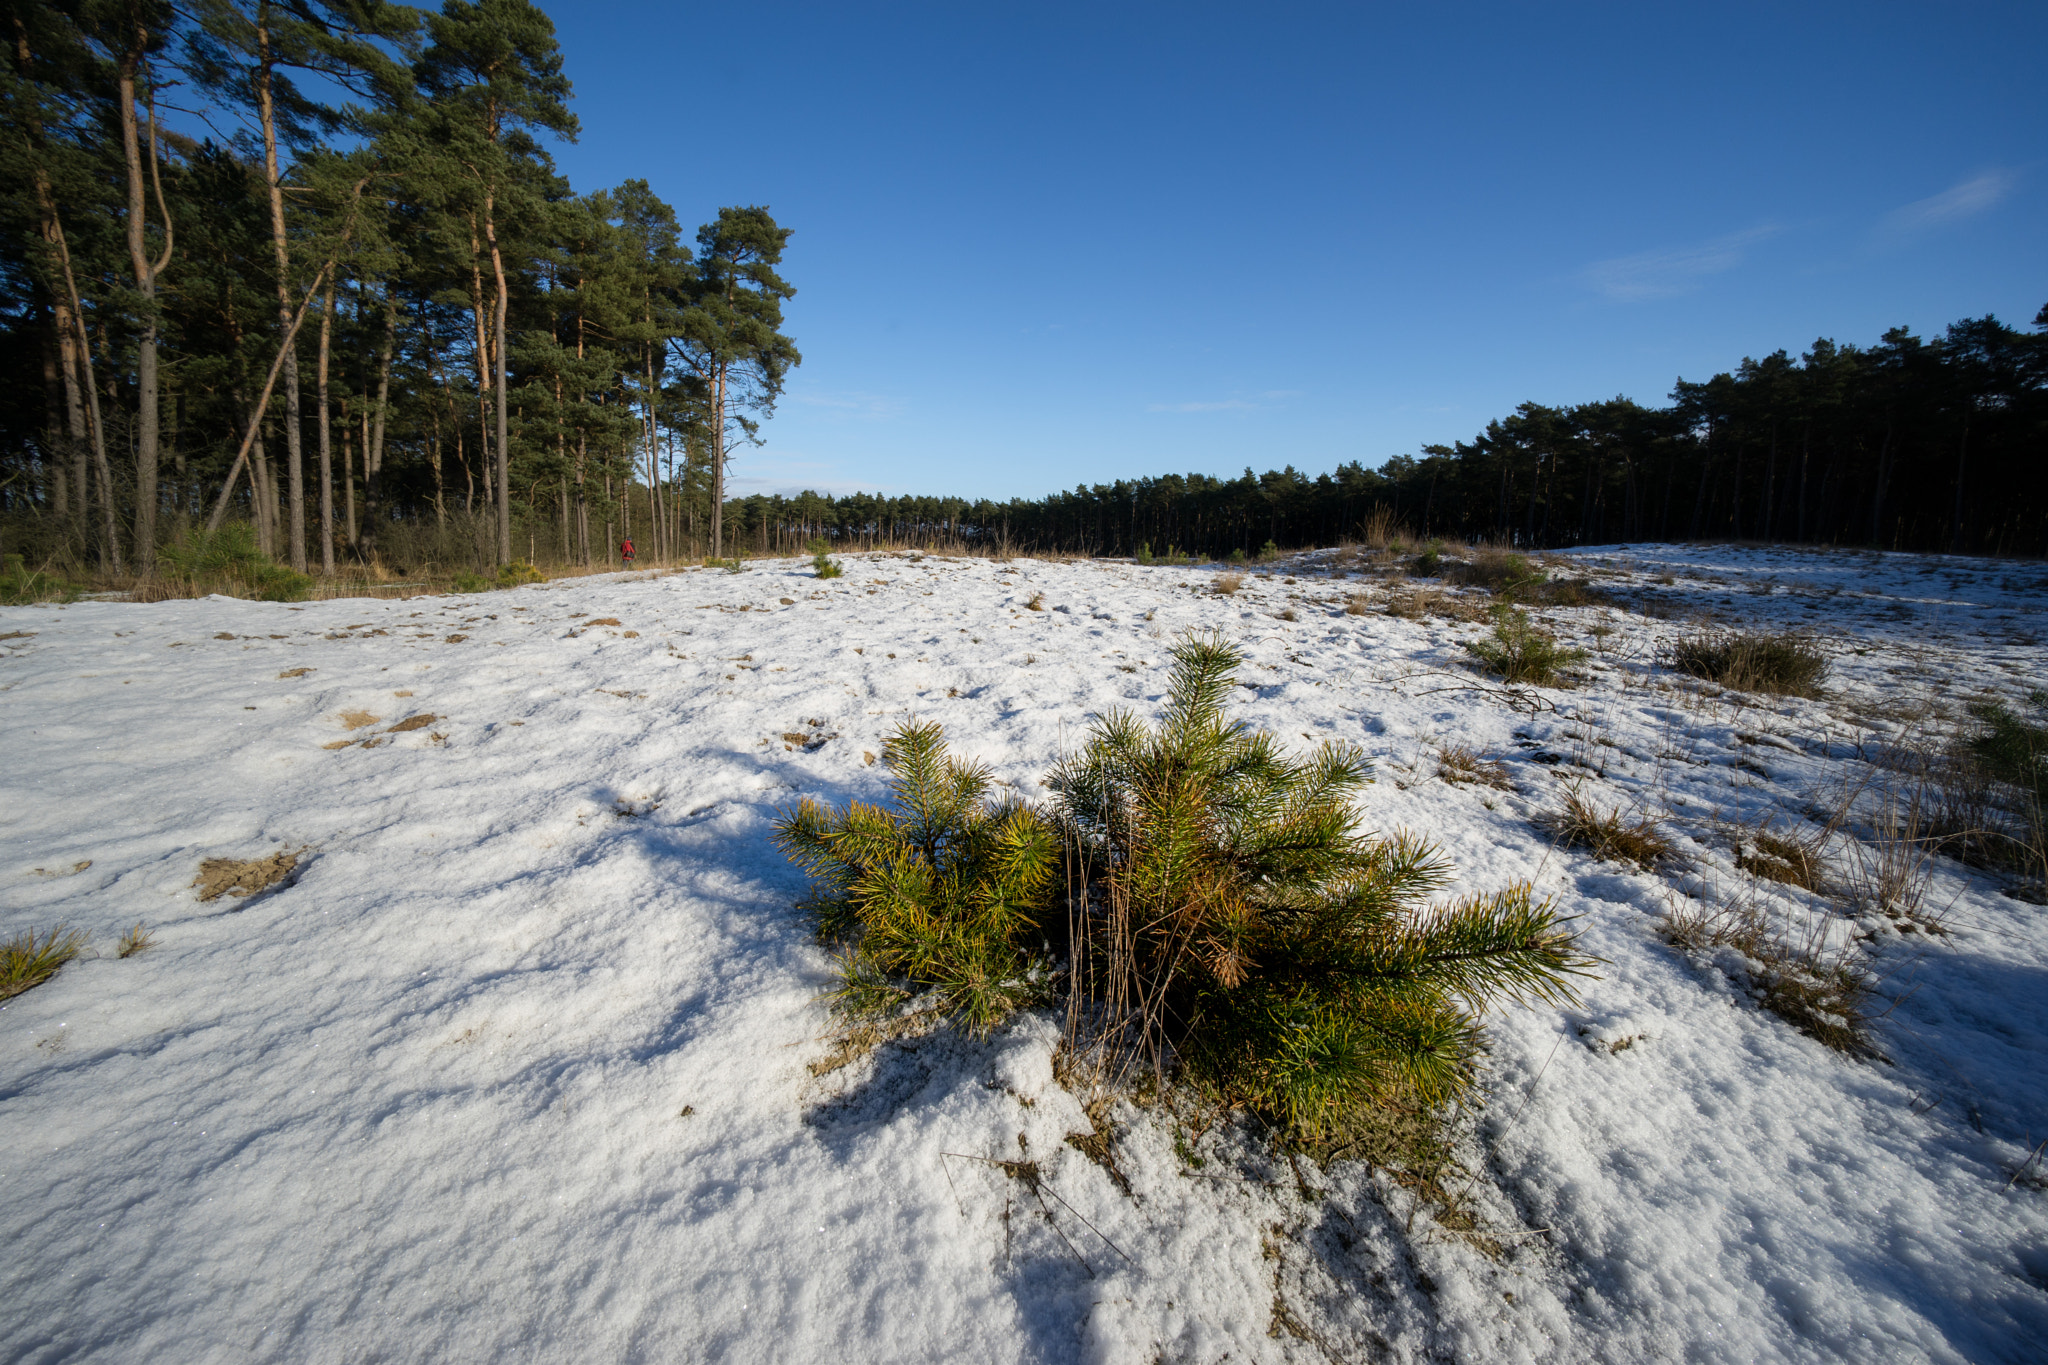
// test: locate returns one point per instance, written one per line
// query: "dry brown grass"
(1817, 987)
(1457, 763)
(136, 941)
(1415, 603)
(1357, 604)
(356, 719)
(243, 877)
(1785, 664)
(1790, 859)
(1227, 584)
(1608, 837)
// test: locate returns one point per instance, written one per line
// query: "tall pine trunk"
(146, 271)
(326, 440)
(280, 249)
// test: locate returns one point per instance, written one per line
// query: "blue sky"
(1039, 245)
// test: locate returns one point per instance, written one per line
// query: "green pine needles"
(821, 560)
(1226, 920)
(934, 896)
(1240, 922)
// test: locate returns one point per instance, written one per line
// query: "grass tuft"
(1784, 664)
(1607, 837)
(136, 941)
(21, 585)
(1226, 584)
(27, 961)
(1457, 763)
(1819, 989)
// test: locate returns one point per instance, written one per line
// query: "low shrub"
(1236, 920)
(228, 561)
(20, 585)
(27, 961)
(1499, 570)
(821, 560)
(517, 572)
(1268, 552)
(1785, 663)
(1236, 556)
(470, 582)
(1608, 836)
(1519, 652)
(934, 895)
(1429, 562)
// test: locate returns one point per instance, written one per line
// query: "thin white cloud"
(874, 406)
(1966, 199)
(1668, 273)
(790, 477)
(1226, 405)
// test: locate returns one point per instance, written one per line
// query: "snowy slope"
(517, 1067)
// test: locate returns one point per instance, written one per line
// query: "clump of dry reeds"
(1457, 763)
(1785, 663)
(1608, 836)
(1813, 983)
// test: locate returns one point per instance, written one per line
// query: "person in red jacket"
(626, 549)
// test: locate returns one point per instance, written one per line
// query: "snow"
(517, 1066)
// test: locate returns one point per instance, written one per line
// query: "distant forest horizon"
(1933, 445)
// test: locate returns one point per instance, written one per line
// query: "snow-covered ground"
(518, 1065)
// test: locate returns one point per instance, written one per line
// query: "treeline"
(364, 312)
(1915, 444)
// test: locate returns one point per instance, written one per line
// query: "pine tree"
(1239, 922)
(940, 893)
(730, 335)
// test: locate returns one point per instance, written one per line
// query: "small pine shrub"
(470, 582)
(517, 572)
(821, 562)
(936, 894)
(228, 561)
(1238, 921)
(1786, 664)
(1521, 653)
(1237, 556)
(1144, 552)
(1268, 552)
(20, 585)
(27, 961)
(1429, 562)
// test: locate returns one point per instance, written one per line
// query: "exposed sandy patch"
(243, 877)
